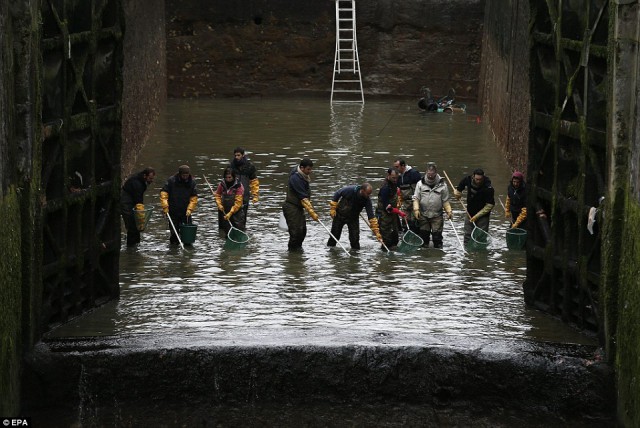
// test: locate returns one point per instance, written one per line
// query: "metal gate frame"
(567, 156)
(81, 117)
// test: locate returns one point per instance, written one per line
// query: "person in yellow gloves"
(132, 197)
(229, 196)
(345, 208)
(516, 205)
(179, 198)
(430, 201)
(297, 200)
(480, 201)
(246, 172)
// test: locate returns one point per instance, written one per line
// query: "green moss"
(628, 325)
(11, 303)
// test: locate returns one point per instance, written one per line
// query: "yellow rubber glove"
(507, 208)
(416, 209)
(521, 217)
(237, 205)
(164, 202)
(473, 219)
(448, 210)
(254, 187)
(193, 203)
(219, 202)
(334, 207)
(375, 228)
(306, 203)
(400, 200)
(457, 193)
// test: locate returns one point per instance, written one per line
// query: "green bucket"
(188, 233)
(516, 238)
(479, 240)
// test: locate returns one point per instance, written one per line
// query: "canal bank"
(319, 378)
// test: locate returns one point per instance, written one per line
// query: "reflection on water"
(262, 286)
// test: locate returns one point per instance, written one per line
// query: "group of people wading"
(407, 200)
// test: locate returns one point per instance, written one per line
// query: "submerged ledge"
(317, 378)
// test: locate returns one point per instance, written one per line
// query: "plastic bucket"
(188, 233)
(142, 217)
(516, 238)
(479, 240)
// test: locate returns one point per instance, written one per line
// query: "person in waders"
(229, 197)
(516, 205)
(132, 197)
(408, 178)
(246, 172)
(346, 206)
(179, 198)
(480, 201)
(387, 210)
(430, 200)
(297, 200)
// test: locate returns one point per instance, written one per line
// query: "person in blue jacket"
(346, 205)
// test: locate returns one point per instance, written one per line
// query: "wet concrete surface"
(319, 378)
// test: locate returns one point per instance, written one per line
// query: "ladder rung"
(348, 91)
(347, 81)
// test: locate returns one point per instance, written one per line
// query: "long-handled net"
(516, 238)
(479, 241)
(142, 217)
(410, 240)
(237, 236)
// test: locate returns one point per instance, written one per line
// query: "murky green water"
(264, 288)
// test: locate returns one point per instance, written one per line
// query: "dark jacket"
(298, 188)
(388, 195)
(477, 197)
(180, 192)
(245, 172)
(351, 203)
(517, 198)
(407, 182)
(132, 192)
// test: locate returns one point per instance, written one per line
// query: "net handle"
(459, 200)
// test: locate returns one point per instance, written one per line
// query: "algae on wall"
(11, 304)
(627, 336)
(621, 245)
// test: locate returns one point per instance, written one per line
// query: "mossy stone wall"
(621, 245)
(11, 303)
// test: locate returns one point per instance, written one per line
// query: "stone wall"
(261, 47)
(145, 77)
(621, 245)
(504, 78)
(19, 172)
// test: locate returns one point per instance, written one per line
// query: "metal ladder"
(347, 81)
